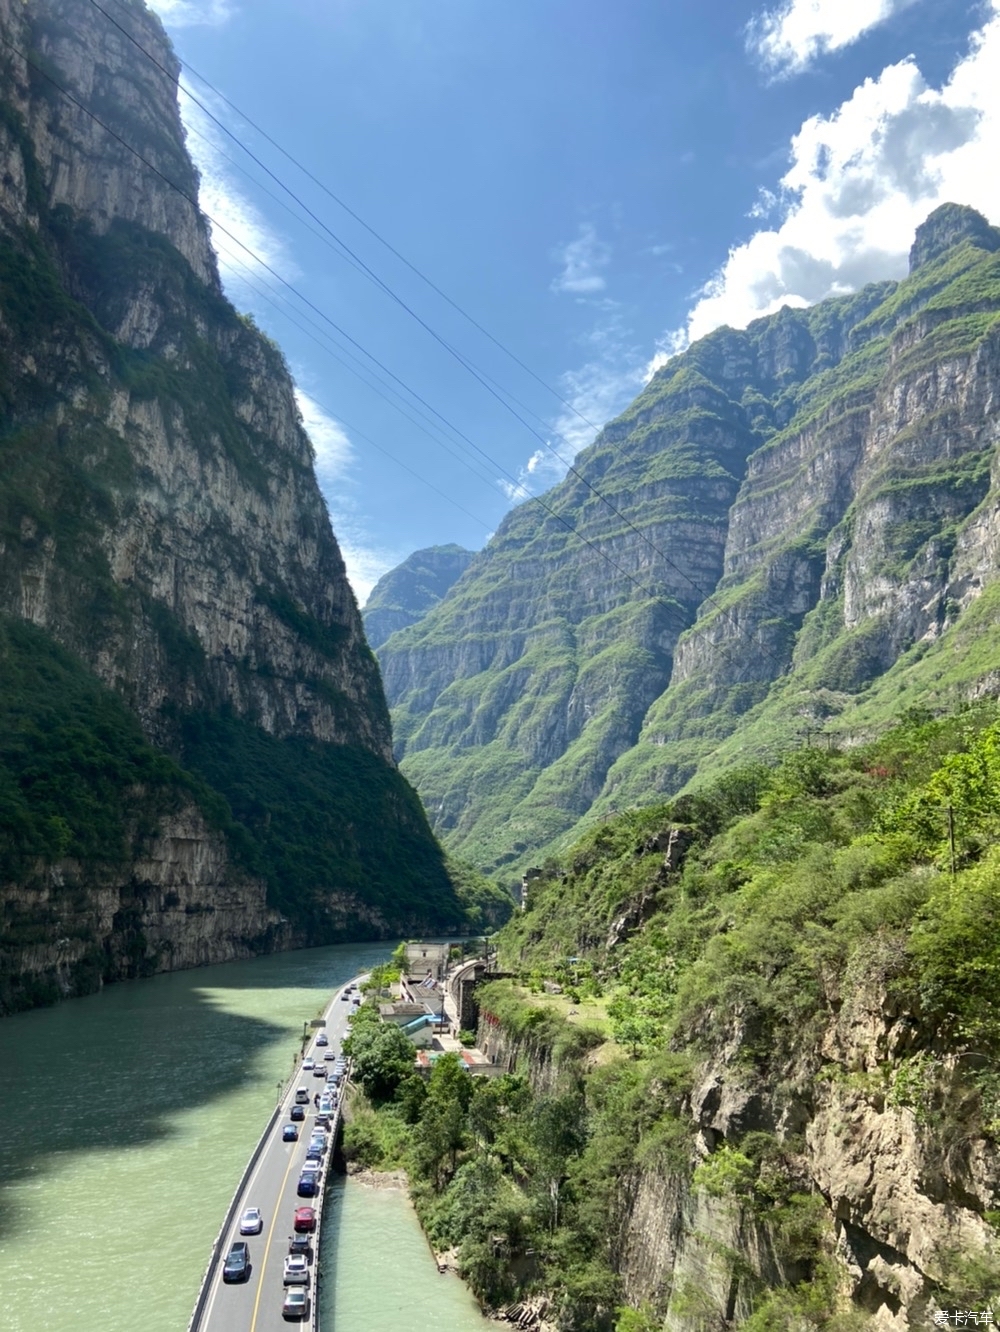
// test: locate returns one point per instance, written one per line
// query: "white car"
(330, 1054)
(296, 1270)
(322, 1039)
(308, 1065)
(251, 1222)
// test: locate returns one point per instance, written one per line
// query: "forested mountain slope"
(195, 751)
(753, 1034)
(801, 534)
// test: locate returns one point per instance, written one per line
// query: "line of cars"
(297, 1271)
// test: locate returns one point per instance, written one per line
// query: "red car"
(305, 1219)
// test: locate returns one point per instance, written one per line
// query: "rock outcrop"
(405, 594)
(789, 528)
(161, 521)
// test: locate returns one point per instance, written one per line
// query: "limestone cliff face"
(803, 514)
(897, 1204)
(405, 594)
(159, 514)
(223, 523)
(894, 1202)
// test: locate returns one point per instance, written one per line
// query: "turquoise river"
(125, 1122)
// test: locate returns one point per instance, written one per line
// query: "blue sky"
(594, 183)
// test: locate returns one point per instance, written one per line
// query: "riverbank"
(527, 1314)
(386, 1279)
(446, 1260)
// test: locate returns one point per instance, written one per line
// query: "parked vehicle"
(296, 1303)
(237, 1264)
(308, 1185)
(296, 1270)
(299, 1244)
(305, 1219)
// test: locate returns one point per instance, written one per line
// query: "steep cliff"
(792, 527)
(161, 522)
(762, 1080)
(405, 594)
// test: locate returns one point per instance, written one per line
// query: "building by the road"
(427, 961)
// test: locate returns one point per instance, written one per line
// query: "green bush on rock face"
(821, 882)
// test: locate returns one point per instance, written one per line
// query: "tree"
(630, 1025)
(556, 1135)
(382, 1057)
(441, 1133)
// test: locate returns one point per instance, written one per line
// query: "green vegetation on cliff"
(807, 508)
(778, 1006)
(82, 794)
(192, 635)
(799, 903)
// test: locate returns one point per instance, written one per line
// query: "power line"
(343, 249)
(359, 219)
(673, 606)
(356, 367)
(360, 434)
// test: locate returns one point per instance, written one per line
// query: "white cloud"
(189, 13)
(366, 559)
(860, 182)
(788, 39)
(366, 563)
(334, 451)
(582, 260)
(225, 201)
(597, 391)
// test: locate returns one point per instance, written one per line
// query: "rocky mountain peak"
(405, 594)
(949, 225)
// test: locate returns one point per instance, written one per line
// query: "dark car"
(290, 1133)
(237, 1264)
(299, 1244)
(308, 1184)
(305, 1220)
(298, 1112)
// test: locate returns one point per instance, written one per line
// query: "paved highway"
(255, 1305)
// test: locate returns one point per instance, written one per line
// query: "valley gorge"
(196, 749)
(790, 531)
(726, 705)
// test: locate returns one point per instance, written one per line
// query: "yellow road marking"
(267, 1246)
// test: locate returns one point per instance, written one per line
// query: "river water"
(126, 1120)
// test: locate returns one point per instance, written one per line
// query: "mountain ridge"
(787, 480)
(406, 593)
